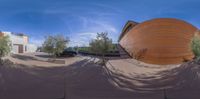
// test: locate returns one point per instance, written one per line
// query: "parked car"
(69, 53)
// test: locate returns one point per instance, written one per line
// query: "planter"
(56, 61)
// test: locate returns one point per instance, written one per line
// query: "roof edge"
(128, 23)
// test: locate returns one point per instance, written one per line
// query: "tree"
(195, 45)
(5, 47)
(55, 44)
(101, 44)
(76, 48)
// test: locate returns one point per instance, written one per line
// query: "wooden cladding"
(160, 41)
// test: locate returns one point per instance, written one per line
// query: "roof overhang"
(129, 23)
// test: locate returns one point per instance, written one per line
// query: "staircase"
(122, 52)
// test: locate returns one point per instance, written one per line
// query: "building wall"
(160, 41)
(20, 43)
(17, 43)
(1, 34)
(25, 38)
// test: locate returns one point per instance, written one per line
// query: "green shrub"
(101, 44)
(195, 45)
(5, 47)
(55, 44)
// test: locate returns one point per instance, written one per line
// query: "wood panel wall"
(160, 41)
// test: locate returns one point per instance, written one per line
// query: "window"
(25, 48)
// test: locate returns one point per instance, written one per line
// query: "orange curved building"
(158, 41)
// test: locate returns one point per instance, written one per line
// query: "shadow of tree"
(86, 80)
(183, 79)
(81, 79)
(33, 82)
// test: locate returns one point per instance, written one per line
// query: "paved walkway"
(133, 75)
(41, 59)
(80, 78)
(133, 66)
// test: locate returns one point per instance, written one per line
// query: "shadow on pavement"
(86, 80)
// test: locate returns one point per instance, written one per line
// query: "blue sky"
(80, 20)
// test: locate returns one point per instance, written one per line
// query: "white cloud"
(81, 39)
(97, 24)
(89, 35)
(89, 27)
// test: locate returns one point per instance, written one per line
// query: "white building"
(19, 43)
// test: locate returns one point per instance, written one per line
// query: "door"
(21, 49)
